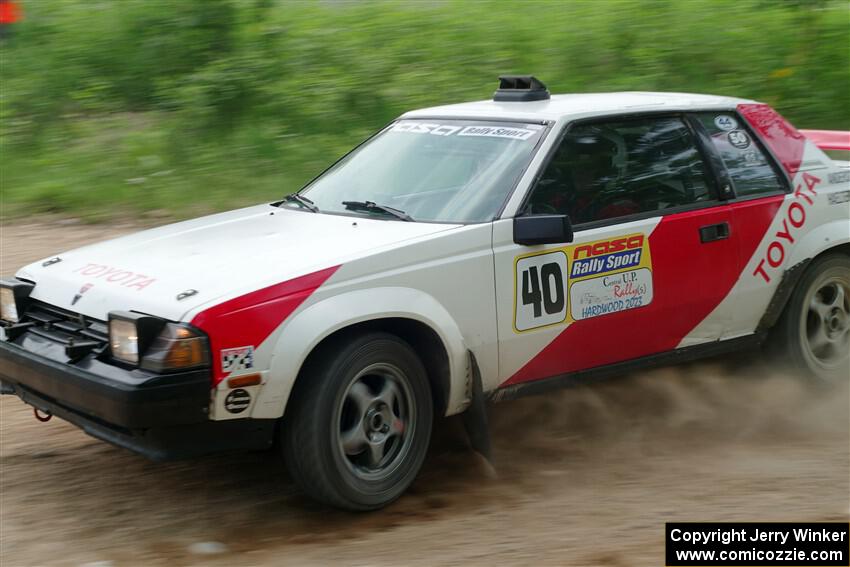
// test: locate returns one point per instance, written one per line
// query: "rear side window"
(615, 169)
(748, 166)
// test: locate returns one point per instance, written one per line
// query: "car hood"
(210, 259)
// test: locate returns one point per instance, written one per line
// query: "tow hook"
(42, 417)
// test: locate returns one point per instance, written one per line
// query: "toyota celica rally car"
(462, 254)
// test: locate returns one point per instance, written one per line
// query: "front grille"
(65, 327)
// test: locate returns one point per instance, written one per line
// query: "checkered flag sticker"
(239, 358)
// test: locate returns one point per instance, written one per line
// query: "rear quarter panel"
(813, 218)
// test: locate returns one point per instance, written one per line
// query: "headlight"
(8, 307)
(155, 344)
(124, 340)
(13, 294)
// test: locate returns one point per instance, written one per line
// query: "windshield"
(453, 171)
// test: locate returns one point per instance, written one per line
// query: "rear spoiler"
(829, 139)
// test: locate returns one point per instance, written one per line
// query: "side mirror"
(542, 229)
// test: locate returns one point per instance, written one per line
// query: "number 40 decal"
(540, 286)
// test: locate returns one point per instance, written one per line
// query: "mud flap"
(475, 417)
(782, 295)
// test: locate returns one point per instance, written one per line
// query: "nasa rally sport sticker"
(739, 139)
(237, 401)
(725, 122)
(608, 276)
(582, 281)
(509, 132)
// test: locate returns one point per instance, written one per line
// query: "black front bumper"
(159, 416)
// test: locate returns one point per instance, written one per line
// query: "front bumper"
(159, 416)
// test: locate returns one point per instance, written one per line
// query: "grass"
(128, 165)
(163, 108)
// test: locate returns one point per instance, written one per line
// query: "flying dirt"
(584, 476)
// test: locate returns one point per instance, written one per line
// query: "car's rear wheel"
(356, 433)
(814, 331)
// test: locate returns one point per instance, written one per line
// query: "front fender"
(307, 328)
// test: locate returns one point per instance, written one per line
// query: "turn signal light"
(176, 348)
(243, 381)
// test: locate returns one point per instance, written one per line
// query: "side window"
(614, 169)
(747, 164)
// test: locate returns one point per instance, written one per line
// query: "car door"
(765, 237)
(653, 252)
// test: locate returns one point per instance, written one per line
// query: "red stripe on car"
(785, 141)
(249, 319)
(677, 275)
(829, 139)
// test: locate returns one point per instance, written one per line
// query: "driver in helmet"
(586, 186)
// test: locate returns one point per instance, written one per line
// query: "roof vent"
(520, 88)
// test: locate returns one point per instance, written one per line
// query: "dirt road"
(585, 477)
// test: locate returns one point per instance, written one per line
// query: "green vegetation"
(178, 107)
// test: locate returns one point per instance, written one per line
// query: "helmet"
(595, 146)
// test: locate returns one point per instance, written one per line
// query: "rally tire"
(358, 426)
(813, 333)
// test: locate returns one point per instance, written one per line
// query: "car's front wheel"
(814, 330)
(357, 431)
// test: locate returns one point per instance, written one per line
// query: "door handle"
(712, 232)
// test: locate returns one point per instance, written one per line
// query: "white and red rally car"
(464, 253)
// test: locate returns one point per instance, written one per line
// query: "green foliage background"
(177, 107)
